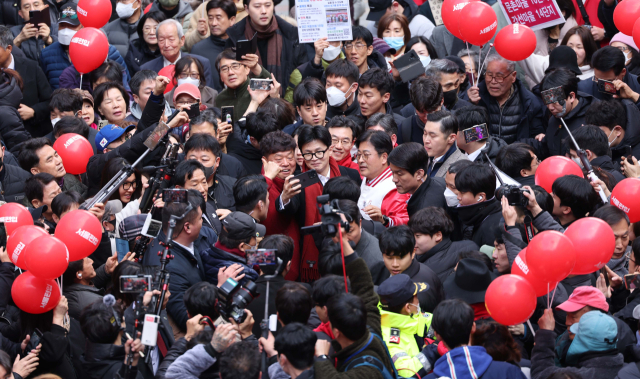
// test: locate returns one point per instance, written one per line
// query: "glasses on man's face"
(191, 75)
(343, 142)
(233, 66)
(365, 156)
(489, 76)
(317, 154)
(358, 46)
(128, 185)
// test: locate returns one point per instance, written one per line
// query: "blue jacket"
(54, 59)
(466, 359)
(214, 259)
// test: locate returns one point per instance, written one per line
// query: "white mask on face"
(331, 53)
(451, 198)
(425, 60)
(55, 121)
(336, 97)
(125, 10)
(627, 57)
(417, 306)
(609, 136)
(195, 82)
(578, 161)
(65, 36)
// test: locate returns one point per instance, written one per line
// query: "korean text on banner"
(536, 14)
(323, 18)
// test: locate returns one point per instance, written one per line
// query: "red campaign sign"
(536, 14)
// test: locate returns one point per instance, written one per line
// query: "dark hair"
(397, 241)
(421, 39)
(30, 322)
(177, 209)
(377, 78)
(240, 360)
(71, 124)
(387, 19)
(248, 191)
(426, 94)
(448, 122)
(140, 76)
(99, 324)
(260, 123)
(185, 63)
(327, 287)
(343, 68)
(66, 100)
(544, 199)
(564, 375)
(227, 7)
(207, 115)
(293, 303)
(228, 53)
(342, 187)
(281, 109)
(69, 275)
(561, 77)
(64, 201)
(498, 342)
(608, 113)
(379, 140)
(635, 248)
(360, 32)
(576, 192)
(471, 115)
(277, 142)
(284, 247)
(567, 7)
(453, 321)
(100, 91)
(201, 299)
(111, 169)
(589, 137)
(203, 141)
(410, 156)
(110, 70)
(314, 133)
(231, 242)
(513, 158)
(330, 259)
(431, 220)
(184, 171)
(437, 67)
(611, 214)
(309, 90)
(589, 44)
(386, 121)
(351, 210)
(33, 187)
(348, 314)
(476, 178)
(157, 16)
(457, 166)
(608, 58)
(297, 343)
(5, 362)
(342, 122)
(478, 256)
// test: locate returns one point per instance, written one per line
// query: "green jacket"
(239, 98)
(405, 353)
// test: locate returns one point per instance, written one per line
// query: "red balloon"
(624, 196)
(510, 300)
(14, 215)
(594, 243)
(553, 168)
(521, 268)
(75, 152)
(89, 49)
(81, 232)
(35, 295)
(478, 23)
(515, 42)
(94, 13)
(551, 256)
(19, 240)
(451, 15)
(46, 257)
(626, 15)
(167, 71)
(636, 32)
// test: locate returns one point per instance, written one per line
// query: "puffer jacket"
(216, 258)
(120, 34)
(183, 10)
(138, 53)
(12, 130)
(13, 179)
(443, 257)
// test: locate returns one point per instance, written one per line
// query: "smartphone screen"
(122, 248)
(261, 257)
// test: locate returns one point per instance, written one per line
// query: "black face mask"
(208, 172)
(450, 98)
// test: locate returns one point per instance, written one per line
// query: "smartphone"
(227, 114)
(34, 341)
(3, 236)
(603, 271)
(174, 196)
(40, 17)
(260, 84)
(632, 281)
(307, 178)
(553, 95)
(193, 111)
(244, 47)
(158, 133)
(627, 153)
(261, 257)
(122, 248)
(135, 283)
(409, 66)
(151, 228)
(476, 133)
(606, 86)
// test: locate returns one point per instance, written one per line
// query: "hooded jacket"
(12, 130)
(443, 257)
(471, 362)
(247, 154)
(120, 34)
(481, 219)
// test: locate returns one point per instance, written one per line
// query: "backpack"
(371, 361)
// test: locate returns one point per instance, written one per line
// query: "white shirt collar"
(475, 154)
(325, 179)
(188, 248)
(167, 63)
(12, 65)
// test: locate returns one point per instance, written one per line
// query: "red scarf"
(325, 327)
(349, 163)
(237, 252)
(480, 311)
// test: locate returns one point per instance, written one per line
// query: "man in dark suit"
(170, 40)
(36, 92)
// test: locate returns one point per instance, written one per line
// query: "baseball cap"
(378, 9)
(186, 88)
(399, 289)
(69, 14)
(241, 226)
(131, 227)
(595, 331)
(108, 134)
(583, 296)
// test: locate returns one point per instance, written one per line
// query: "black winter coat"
(104, 361)
(9, 13)
(13, 179)
(443, 257)
(12, 129)
(56, 354)
(429, 194)
(248, 155)
(210, 48)
(36, 93)
(138, 54)
(492, 148)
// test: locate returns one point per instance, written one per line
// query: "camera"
(233, 298)
(330, 216)
(514, 195)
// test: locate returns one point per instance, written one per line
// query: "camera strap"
(528, 226)
(583, 12)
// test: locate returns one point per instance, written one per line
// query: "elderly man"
(170, 40)
(514, 112)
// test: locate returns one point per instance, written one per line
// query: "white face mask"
(55, 121)
(609, 136)
(331, 53)
(336, 97)
(627, 57)
(578, 161)
(451, 198)
(417, 306)
(65, 36)
(425, 60)
(125, 10)
(195, 82)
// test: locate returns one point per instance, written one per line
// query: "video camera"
(330, 216)
(233, 298)
(514, 194)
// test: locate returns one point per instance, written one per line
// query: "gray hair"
(437, 67)
(111, 208)
(386, 121)
(173, 22)
(205, 116)
(6, 37)
(471, 54)
(511, 66)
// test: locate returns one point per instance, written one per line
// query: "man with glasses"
(360, 50)
(30, 38)
(514, 112)
(343, 136)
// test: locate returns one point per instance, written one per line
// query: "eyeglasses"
(498, 77)
(150, 29)
(233, 66)
(358, 46)
(185, 75)
(128, 185)
(343, 142)
(364, 156)
(317, 154)
(622, 48)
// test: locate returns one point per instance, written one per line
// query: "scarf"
(480, 311)
(348, 162)
(309, 255)
(237, 252)
(274, 46)
(325, 327)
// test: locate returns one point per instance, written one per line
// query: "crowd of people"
(409, 167)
